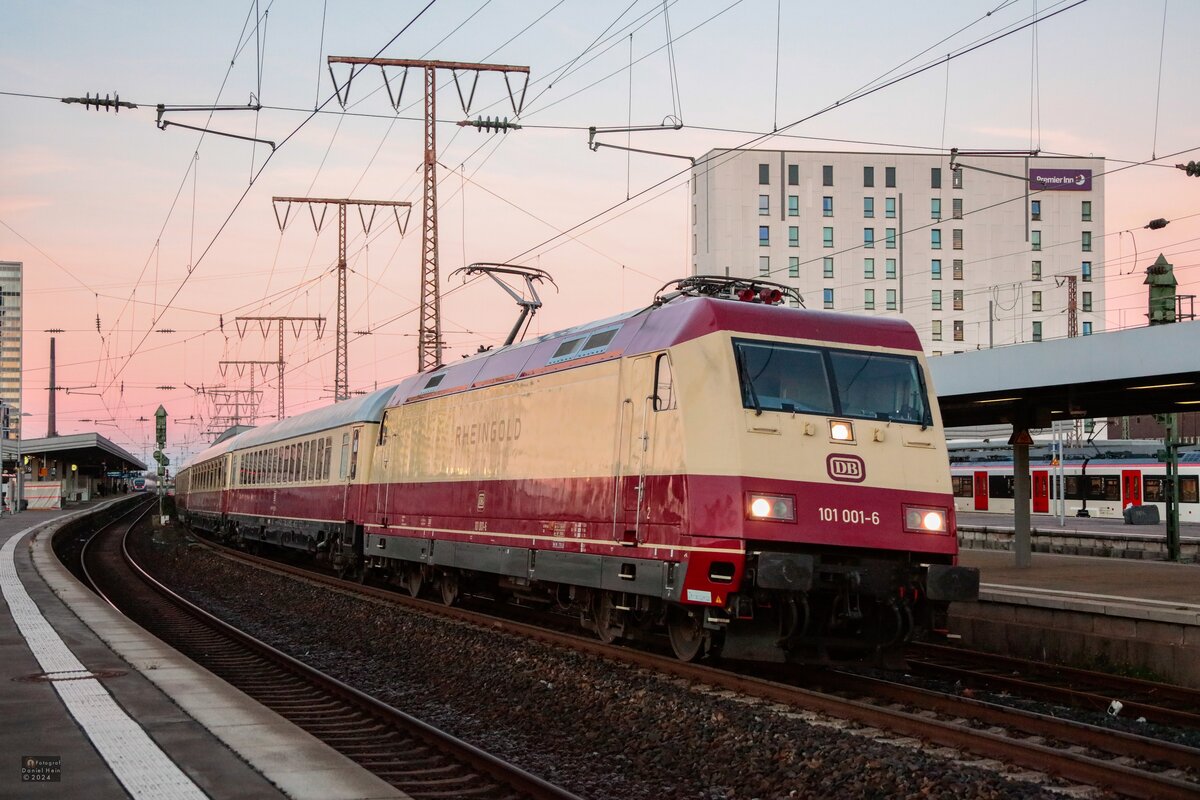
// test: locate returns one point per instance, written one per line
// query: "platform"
(108, 711)
(1089, 536)
(1094, 612)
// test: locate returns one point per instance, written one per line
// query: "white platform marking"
(136, 761)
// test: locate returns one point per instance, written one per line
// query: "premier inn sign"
(1075, 180)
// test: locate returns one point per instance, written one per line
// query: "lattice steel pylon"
(429, 338)
(264, 324)
(341, 381)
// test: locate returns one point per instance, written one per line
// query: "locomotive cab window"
(774, 376)
(664, 384)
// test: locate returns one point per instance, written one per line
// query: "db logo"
(846, 468)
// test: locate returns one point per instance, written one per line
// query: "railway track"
(1158, 702)
(414, 757)
(1122, 763)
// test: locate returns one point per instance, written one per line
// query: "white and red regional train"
(1102, 479)
(766, 480)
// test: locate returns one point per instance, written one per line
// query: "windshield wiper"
(747, 383)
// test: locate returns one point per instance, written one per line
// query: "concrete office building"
(975, 256)
(10, 343)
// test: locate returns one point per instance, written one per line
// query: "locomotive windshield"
(775, 376)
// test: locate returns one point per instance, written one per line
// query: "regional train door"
(981, 491)
(1131, 487)
(630, 509)
(1041, 491)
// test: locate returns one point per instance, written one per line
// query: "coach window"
(306, 462)
(664, 384)
(354, 454)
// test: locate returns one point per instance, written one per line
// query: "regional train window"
(1152, 490)
(963, 485)
(1000, 486)
(1189, 489)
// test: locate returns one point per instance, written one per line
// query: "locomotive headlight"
(924, 520)
(841, 430)
(776, 507)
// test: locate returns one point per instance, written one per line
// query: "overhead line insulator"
(490, 124)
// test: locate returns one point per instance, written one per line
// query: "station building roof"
(1148, 370)
(86, 450)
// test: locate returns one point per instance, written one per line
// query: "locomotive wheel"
(449, 586)
(687, 634)
(413, 581)
(608, 622)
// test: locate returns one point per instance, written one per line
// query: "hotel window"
(827, 266)
(1037, 331)
(1087, 241)
(868, 268)
(935, 268)
(868, 207)
(936, 300)
(1037, 301)
(935, 178)
(935, 208)
(1087, 301)
(889, 268)
(764, 205)
(958, 325)
(956, 208)
(957, 238)
(764, 174)
(1087, 272)
(764, 236)
(827, 206)
(793, 205)
(958, 269)
(827, 237)
(764, 266)
(869, 299)
(889, 177)
(958, 299)
(1035, 210)
(827, 296)
(868, 237)
(956, 178)
(793, 174)
(1035, 239)
(793, 236)
(935, 239)
(827, 175)
(1087, 329)
(1037, 270)
(793, 266)
(889, 207)
(1087, 211)
(868, 177)
(937, 330)
(890, 238)
(891, 299)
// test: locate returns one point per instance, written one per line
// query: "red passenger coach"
(767, 481)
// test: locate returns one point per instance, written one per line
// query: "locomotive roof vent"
(746, 290)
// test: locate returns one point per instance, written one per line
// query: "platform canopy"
(1138, 371)
(90, 452)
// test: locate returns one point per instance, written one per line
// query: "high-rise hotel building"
(10, 342)
(985, 254)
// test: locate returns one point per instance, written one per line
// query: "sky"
(144, 245)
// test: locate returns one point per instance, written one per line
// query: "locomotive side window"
(664, 384)
(791, 378)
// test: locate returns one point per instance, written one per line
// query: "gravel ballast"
(600, 729)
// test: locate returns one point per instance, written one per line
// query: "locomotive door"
(630, 506)
(1131, 487)
(1041, 491)
(981, 491)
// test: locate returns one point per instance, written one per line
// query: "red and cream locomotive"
(768, 481)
